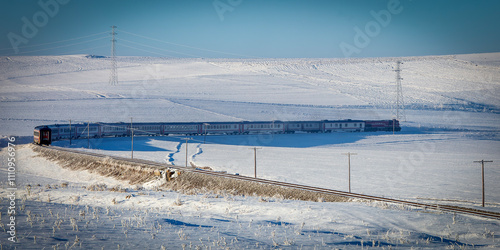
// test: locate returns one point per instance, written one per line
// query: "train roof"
(201, 123)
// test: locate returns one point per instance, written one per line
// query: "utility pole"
(349, 163)
(482, 173)
(113, 77)
(132, 135)
(88, 134)
(70, 134)
(187, 144)
(255, 160)
(393, 126)
(205, 138)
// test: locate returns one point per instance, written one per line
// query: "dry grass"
(120, 170)
(187, 182)
(199, 183)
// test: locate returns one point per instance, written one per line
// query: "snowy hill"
(59, 88)
(452, 119)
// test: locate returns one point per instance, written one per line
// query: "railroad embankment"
(186, 182)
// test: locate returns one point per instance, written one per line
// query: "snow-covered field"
(452, 119)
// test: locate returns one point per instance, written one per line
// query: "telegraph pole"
(70, 135)
(393, 126)
(88, 134)
(205, 138)
(113, 77)
(349, 163)
(187, 144)
(255, 160)
(132, 135)
(482, 173)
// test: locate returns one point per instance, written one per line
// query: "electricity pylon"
(113, 77)
(399, 106)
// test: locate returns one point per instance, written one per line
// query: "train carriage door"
(45, 136)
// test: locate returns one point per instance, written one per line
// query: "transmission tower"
(399, 106)
(113, 77)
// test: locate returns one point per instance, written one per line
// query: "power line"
(171, 51)
(139, 130)
(187, 46)
(72, 51)
(62, 41)
(62, 46)
(164, 55)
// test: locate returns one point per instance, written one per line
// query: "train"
(46, 134)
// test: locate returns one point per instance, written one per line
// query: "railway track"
(437, 207)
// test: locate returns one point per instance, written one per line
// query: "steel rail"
(437, 207)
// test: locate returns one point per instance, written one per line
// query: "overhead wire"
(63, 46)
(187, 46)
(71, 52)
(125, 40)
(171, 51)
(126, 125)
(151, 52)
(61, 41)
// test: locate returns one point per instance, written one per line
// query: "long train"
(45, 134)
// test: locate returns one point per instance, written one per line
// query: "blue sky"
(250, 28)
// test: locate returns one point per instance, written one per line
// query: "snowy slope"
(56, 89)
(452, 119)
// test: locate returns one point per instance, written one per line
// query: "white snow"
(452, 120)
